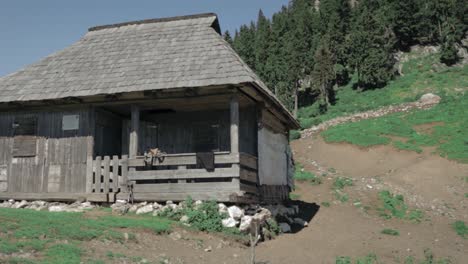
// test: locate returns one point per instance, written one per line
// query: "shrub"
(301, 175)
(341, 182)
(206, 217)
(395, 206)
(326, 204)
(460, 228)
(294, 134)
(390, 232)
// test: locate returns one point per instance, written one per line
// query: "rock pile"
(239, 217)
(427, 101)
(76, 207)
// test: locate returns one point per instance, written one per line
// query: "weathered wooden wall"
(174, 132)
(59, 164)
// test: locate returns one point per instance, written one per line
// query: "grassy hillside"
(446, 125)
(422, 74)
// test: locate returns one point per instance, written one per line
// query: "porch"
(178, 135)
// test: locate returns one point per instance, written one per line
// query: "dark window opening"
(206, 138)
(25, 126)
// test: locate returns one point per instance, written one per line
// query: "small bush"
(326, 204)
(302, 175)
(294, 196)
(206, 217)
(341, 182)
(395, 206)
(390, 232)
(343, 260)
(341, 196)
(294, 134)
(460, 228)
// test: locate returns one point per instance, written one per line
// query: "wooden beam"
(183, 174)
(234, 109)
(184, 159)
(135, 126)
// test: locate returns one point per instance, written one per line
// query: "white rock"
(229, 222)
(121, 201)
(145, 209)
(57, 208)
(235, 212)
(11, 201)
(86, 206)
(21, 204)
(169, 202)
(222, 208)
(430, 98)
(245, 223)
(262, 216)
(157, 206)
(184, 219)
(198, 203)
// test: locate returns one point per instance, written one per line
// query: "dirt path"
(352, 228)
(343, 229)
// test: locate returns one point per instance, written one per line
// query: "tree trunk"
(296, 100)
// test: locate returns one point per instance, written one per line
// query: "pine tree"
(371, 46)
(323, 74)
(401, 17)
(244, 44)
(335, 16)
(262, 44)
(227, 37)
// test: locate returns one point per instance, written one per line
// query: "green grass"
(390, 232)
(41, 231)
(395, 206)
(294, 196)
(341, 182)
(326, 204)
(302, 175)
(369, 259)
(450, 137)
(460, 228)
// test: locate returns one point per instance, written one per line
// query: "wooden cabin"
(153, 110)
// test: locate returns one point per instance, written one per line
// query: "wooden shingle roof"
(134, 56)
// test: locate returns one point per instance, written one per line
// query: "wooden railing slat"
(106, 173)
(97, 175)
(115, 173)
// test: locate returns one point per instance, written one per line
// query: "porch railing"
(107, 174)
(173, 174)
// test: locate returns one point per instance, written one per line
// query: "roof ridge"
(153, 20)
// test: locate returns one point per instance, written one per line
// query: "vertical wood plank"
(97, 176)
(182, 168)
(89, 174)
(106, 173)
(135, 126)
(234, 110)
(115, 173)
(123, 184)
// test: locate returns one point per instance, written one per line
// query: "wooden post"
(234, 108)
(135, 123)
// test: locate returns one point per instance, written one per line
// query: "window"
(70, 122)
(25, 131)
(25, 126)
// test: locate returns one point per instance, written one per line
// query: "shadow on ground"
(307, 212)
